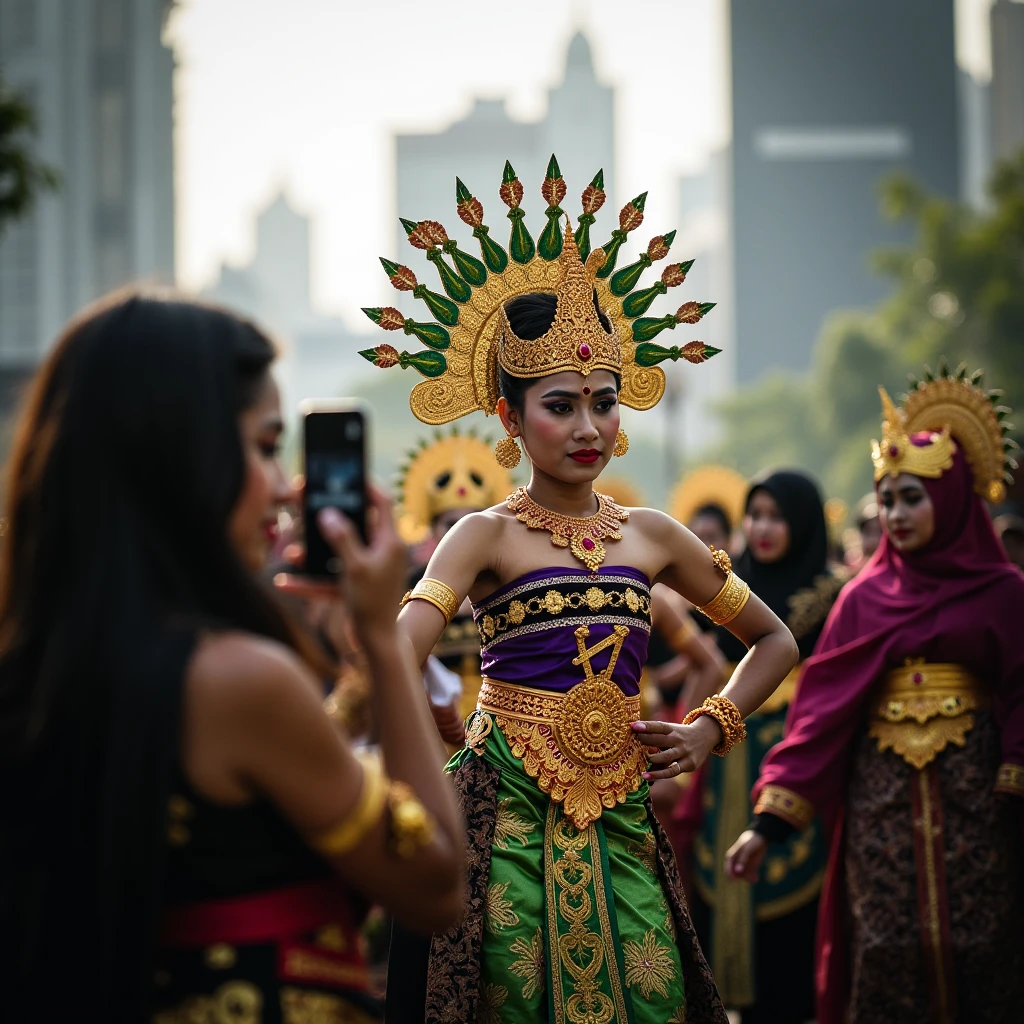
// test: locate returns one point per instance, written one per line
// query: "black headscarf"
(775, 583)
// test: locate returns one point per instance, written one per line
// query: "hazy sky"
(305, 95)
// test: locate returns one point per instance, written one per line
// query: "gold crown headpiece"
(470, 334)
(957, 410)
(453, 471)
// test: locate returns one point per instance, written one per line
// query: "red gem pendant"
(587, 543)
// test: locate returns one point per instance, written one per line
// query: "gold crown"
(454, 471)
(469, 326)
(896, 453)
(951, 406)
(576, 340)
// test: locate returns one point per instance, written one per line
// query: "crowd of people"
(600, 764)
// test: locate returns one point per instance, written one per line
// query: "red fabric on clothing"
(958, 599)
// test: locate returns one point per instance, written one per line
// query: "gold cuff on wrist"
(439, 594)
(728, 717)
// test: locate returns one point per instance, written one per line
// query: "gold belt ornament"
(578, 745)
(922, 708)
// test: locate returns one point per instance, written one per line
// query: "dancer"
(907, 735)
(442, 481)
(761, 938)
(173, 792)
(575, 912)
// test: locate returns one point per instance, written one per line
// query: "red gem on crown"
(893, 451)
(918, 679)
(584, 351)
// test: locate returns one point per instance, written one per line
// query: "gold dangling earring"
(507, 453)
(621, 444)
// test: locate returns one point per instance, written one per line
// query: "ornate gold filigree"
(531, 964)
(578, 746)
(728, 717)
(728, 602)
(499, 912)
(508, 826)
(478, 731)
(919, 744)
(581, 951)
(785, 804)
(896, 454)
(437, 593)
(1010, 779)
(584, 537)
(554, 603)
(576, 340)
(809, 607)
(649, 966)
(922, 708)
(302, 1006)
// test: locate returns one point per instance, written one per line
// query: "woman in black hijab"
(761, 937)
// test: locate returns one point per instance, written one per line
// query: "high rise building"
(828, 96)
(579, 128)
(1007, 78)
(99, 77)
(319, 357)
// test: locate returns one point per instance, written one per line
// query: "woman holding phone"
(186, 834)
(574, 911)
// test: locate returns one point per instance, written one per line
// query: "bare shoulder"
(655, 524)
(236, 673)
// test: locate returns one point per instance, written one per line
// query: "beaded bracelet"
(728, 717)
(439, 594)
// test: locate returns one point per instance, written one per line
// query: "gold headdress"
(452, 471)
(957, 411)
(472, 335)
(710, 485)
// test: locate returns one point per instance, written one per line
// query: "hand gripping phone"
(334, 447)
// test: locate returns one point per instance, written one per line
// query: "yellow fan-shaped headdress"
(453, 471)
(471, 334)
(710, 485)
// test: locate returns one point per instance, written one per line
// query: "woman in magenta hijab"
(907, 735)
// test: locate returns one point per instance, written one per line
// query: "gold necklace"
(583, 537)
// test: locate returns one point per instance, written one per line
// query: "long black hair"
(126, 467)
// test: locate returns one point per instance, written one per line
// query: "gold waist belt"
(578, 745)
(921, 708)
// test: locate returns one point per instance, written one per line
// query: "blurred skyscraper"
(319, 357)
(1007, 78)
(99, 76)
(828, 96)
(579, 129)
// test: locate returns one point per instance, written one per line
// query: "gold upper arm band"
(733, 596)
(411, 825)
(439, 594)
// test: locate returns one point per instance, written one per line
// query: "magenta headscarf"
(892, 597)
(879, 617)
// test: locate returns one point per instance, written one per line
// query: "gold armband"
(727, 715)
(412, 825)
(733, 596)
(439, 594)
(350, 832)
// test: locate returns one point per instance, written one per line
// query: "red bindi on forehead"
(586, 391)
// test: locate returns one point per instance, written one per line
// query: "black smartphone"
(334, 446)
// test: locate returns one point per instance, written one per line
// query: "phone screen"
(335, 457)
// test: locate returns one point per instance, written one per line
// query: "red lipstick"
(587, 456)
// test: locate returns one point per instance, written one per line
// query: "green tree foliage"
(958, 292)
(22, 176)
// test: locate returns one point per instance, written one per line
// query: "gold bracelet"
(439, 594)
(412, 825)
(728, 602)
(350, 832)
(728, 717)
